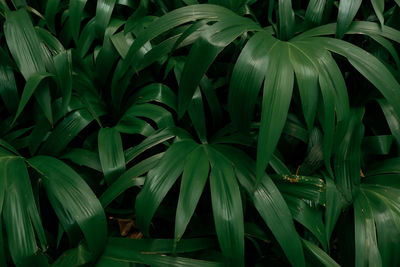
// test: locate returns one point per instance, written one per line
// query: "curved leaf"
(129, 179)
(72, 200)
(277, 95)
(30, 87)
(347, 11)
(286, 19)
(194, 178)
(104, 10)
(20, 214)
(227, 208)
(159, 181)
(111, 154)
(23, 43)
(247, 77)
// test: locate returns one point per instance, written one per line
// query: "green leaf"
(2, 241)
(23, 43)
(156, 92)
(111, 154)
(194, 178)
(303, 187)
(134, 125)
(319, 257)
(104, 10)
(274, 211)
(333, 207)
(129, 179)
(86, 38)
(159, 181)
(286, 19)
(357, 27)
(107, 55)
(277, 95)
(315, 11)
(347, 159)
(309, 217)
(227, 208)
(171, 20)
(204, 52)
(49, 41)
(8, 147)
(75, 9)
(63, 65)
(269, 203)
(72, 200)
(347, 11)
(247, 77)
(83, 157)
(379, 6)
(20, 214)
(392, 118)
(65, 132)
(387, 221)
(152, 252)
(162, 117)
(387, 166)
(30, 87)
(74, 257)
(212, 100)
(50, 14)
(8, 89)
(369, 66)
(157, 138)
(307, 81)
(388, 45)
(197, 115)
(231, 4)
(378, 144)
(43, 97)
(365, 233)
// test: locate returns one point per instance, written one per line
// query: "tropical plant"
(135, 132)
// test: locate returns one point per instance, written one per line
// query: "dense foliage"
(136, 132)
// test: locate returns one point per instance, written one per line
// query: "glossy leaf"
(333, 207)
(66, 131)
(247, 77)
(347, 160)
(72, 200)
(75, 16)
(104, 10)
(379, 6)
(365, 233)
(111, 154)
(286, 19)
(129, 178)
(150, 251)
(83, 157)
(347, 12)
(194, 178)
(269, 203)
(29, 89)
(20, 213)
(319, 256)
(315, 11)
(204, 52)
(23, 43)
(160, 180)
(8, 89)
(227, 208)
(63, 65)
(153, 140)
(276, 100)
